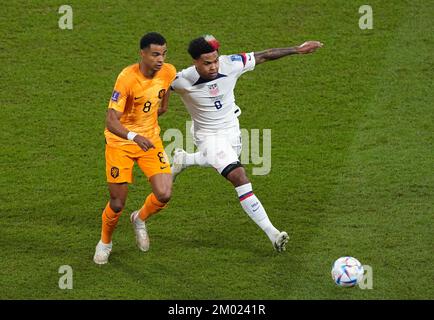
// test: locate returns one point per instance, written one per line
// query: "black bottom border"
(214, 309)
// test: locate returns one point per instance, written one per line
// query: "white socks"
(253, 207)
(250, 203)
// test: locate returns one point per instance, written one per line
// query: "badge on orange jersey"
(115, 96)
(114, 171)
(161, 93)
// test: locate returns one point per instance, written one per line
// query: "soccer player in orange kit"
(133, 135)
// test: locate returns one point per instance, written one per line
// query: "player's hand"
(309, 47)
(143, 143)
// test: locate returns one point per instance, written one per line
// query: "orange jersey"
(139, 98)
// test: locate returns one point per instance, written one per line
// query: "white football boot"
(281, 241)
(142, 238)
(178, 162)
(102, 252)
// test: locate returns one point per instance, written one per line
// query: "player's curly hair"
(151, 38)
(201, 45)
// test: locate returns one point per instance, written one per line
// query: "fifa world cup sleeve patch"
(115, 96)
(239, 57)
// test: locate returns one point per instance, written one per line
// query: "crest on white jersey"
(213, 89)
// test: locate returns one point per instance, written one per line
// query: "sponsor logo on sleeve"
(116, 95)
(236, 57)
(239, 57)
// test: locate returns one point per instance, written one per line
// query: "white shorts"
(219, 148)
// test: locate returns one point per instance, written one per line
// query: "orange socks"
(110, 218)
(151, 206)
(109, 221)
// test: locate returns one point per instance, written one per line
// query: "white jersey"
(211, 103)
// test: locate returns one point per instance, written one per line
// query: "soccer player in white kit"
(207, 90)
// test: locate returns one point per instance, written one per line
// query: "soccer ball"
(347, 272)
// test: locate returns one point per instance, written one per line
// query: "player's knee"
(163, 195)
(117, 204)
(238, 176)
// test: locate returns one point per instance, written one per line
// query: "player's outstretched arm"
(276, 53)
(115, 126)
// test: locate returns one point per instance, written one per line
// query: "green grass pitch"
(352, 152)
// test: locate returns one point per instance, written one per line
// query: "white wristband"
(131, 135)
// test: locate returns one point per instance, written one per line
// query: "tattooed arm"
(276, 53)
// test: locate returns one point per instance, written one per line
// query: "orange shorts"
(120, 162)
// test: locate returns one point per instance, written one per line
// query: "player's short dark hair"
(151, 38)
(201, 45)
